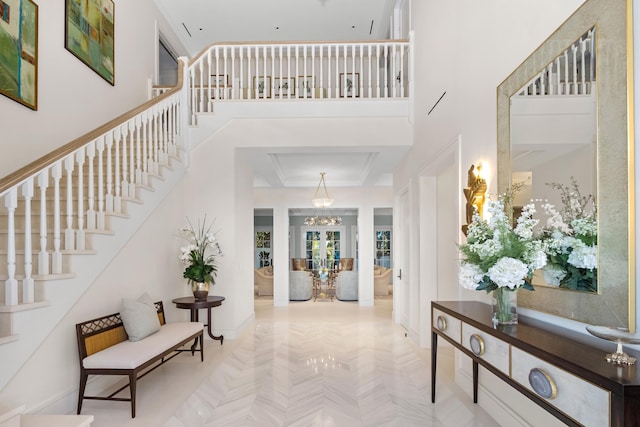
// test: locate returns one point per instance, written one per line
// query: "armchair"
(381, 280)
(347, 286)
(300, 285)
(263, 279)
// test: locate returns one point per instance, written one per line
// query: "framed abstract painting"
(89, 34)
(19, 51)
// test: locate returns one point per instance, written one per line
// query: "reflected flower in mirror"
(570, 240)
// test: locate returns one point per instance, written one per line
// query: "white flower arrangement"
(571, 240)
(497, 255)
(200, 254)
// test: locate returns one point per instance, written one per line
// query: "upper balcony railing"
(573, 72)
(299, 71)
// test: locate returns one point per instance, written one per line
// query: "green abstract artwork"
(89, 27)
(19, 51)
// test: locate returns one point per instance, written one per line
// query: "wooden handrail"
(279, 43)
(48, 159)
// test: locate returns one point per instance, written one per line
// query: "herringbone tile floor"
(308, 364)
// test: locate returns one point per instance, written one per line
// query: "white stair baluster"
(11, 284)
(378, 87)
(91, 196)
(362, 76)
(320, 73)
(356, 83)
(386, 71)
(117, 198)
(164, 141)
(100, 218)
(145, 148)
(56, 257)
(28, 295)
(139, 159)
(80, 234)
(370, 76)
(43, 255)
(131, 182)
(69, 234)
(236, 91)
(108, 198)
(124, 183)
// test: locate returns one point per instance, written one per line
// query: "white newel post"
(27, 283)
(11, 284)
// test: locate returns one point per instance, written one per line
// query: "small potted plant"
(200, 257)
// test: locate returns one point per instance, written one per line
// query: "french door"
(322, 246)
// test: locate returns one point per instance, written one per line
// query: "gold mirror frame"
(614, 304)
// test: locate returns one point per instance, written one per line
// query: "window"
(263, 247)
(383, 246)
(323, 247)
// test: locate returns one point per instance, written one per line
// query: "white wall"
(88, 100)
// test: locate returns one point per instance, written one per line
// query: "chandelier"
(322, 201)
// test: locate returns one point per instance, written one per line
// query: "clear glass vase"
(504, 304)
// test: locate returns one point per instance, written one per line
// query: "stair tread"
(41, 277)
(23, 307)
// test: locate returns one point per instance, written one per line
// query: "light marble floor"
(308, 364)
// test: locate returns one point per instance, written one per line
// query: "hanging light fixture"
(322, 201)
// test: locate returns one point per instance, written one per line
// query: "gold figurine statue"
(474, 193)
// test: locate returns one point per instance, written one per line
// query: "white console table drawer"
(486, 347)
(447, 324)
(584, 402)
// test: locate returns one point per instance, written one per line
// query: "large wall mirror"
(583, 136)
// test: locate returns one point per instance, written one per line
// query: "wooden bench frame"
(101, 333)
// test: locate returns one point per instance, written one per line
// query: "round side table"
(194, 305)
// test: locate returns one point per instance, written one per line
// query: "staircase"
(86, 198)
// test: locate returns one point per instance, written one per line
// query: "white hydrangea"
(553, 274)
(583, 256)
(508, 272)
(470, 276)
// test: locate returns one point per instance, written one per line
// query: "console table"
(569, 379)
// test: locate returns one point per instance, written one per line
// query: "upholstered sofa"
(347, 285)
(300, 285)
(263, 279)
(381, 280)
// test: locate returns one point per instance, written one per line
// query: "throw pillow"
(139, 317)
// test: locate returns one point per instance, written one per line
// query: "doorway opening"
(262, 253)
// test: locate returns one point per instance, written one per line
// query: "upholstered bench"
(106, 348)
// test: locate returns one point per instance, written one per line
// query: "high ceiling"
(198, 23)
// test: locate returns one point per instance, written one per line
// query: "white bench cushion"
(131, 354)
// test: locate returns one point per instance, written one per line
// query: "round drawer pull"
(441, 321)
(477, 344)
(542, 383)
